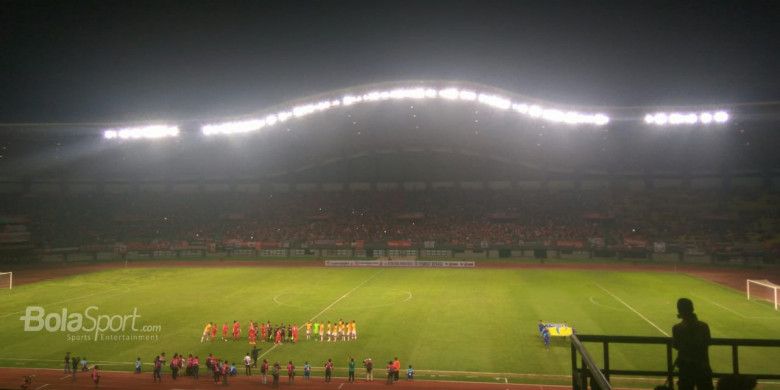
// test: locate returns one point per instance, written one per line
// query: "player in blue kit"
(546, 337)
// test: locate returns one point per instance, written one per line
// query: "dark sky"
(133, 60)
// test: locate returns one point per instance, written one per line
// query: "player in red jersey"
(252, 335)
(236, 330)
(263, 332)
(295, 333)
(225, 331)
(214, 331)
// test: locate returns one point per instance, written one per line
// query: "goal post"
(6, 280)
(763, 289)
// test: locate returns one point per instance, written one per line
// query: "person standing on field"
(264, 371)
(390, 375)
(691, 339)
(351, 370)
(290, 372)
(275, 374)
(306, 371)
(96, 375)
(74, 363)
(206, 333)
(67, 362)
(157, 373)
(369, 364)
(255, 353)
(247, 364)
(328, 370)
(236, 330)
(195, 366)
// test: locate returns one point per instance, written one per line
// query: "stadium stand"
(658, 221)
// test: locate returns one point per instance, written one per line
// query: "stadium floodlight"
(521, 108)
(553, 115)
(495, 101)
(402, 93)
(233, 127)
(721, 116)
(350, 100)
(284, 116)
(143, 132)
(449, 93)
(467, 95)
(600, 119)
(686, 118)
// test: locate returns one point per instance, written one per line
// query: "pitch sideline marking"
(724, 307)
(632, 309)
(592, 300)
(327, 308)
(41, 387)
(736, 312)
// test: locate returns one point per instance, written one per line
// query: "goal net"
(6, 280)
(763, 290)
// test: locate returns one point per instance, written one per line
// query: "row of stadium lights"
(688, 118)
(533, 111)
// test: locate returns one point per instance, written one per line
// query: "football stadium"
(429, 232)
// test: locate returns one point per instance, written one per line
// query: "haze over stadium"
(473, 193)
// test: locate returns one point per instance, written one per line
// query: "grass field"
(472, 322)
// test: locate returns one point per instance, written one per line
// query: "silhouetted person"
(691, 339)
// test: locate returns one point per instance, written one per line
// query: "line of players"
(338, 330)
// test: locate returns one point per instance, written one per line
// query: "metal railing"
(589, 369)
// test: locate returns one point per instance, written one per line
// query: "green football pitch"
(478, 324)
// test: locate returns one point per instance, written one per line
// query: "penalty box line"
(328, 307)
(632, 309)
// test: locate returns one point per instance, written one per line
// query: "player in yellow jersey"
(308, 330)
(353, 330)
(206, 333)
(322, 331)
(329, 330)
(343, 331)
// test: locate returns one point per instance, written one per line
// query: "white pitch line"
(41, 387)
(724, 307)
(632, 309)
(327, 308)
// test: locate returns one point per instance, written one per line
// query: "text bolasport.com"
(90, 325)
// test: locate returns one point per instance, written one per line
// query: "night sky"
(80, 61)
